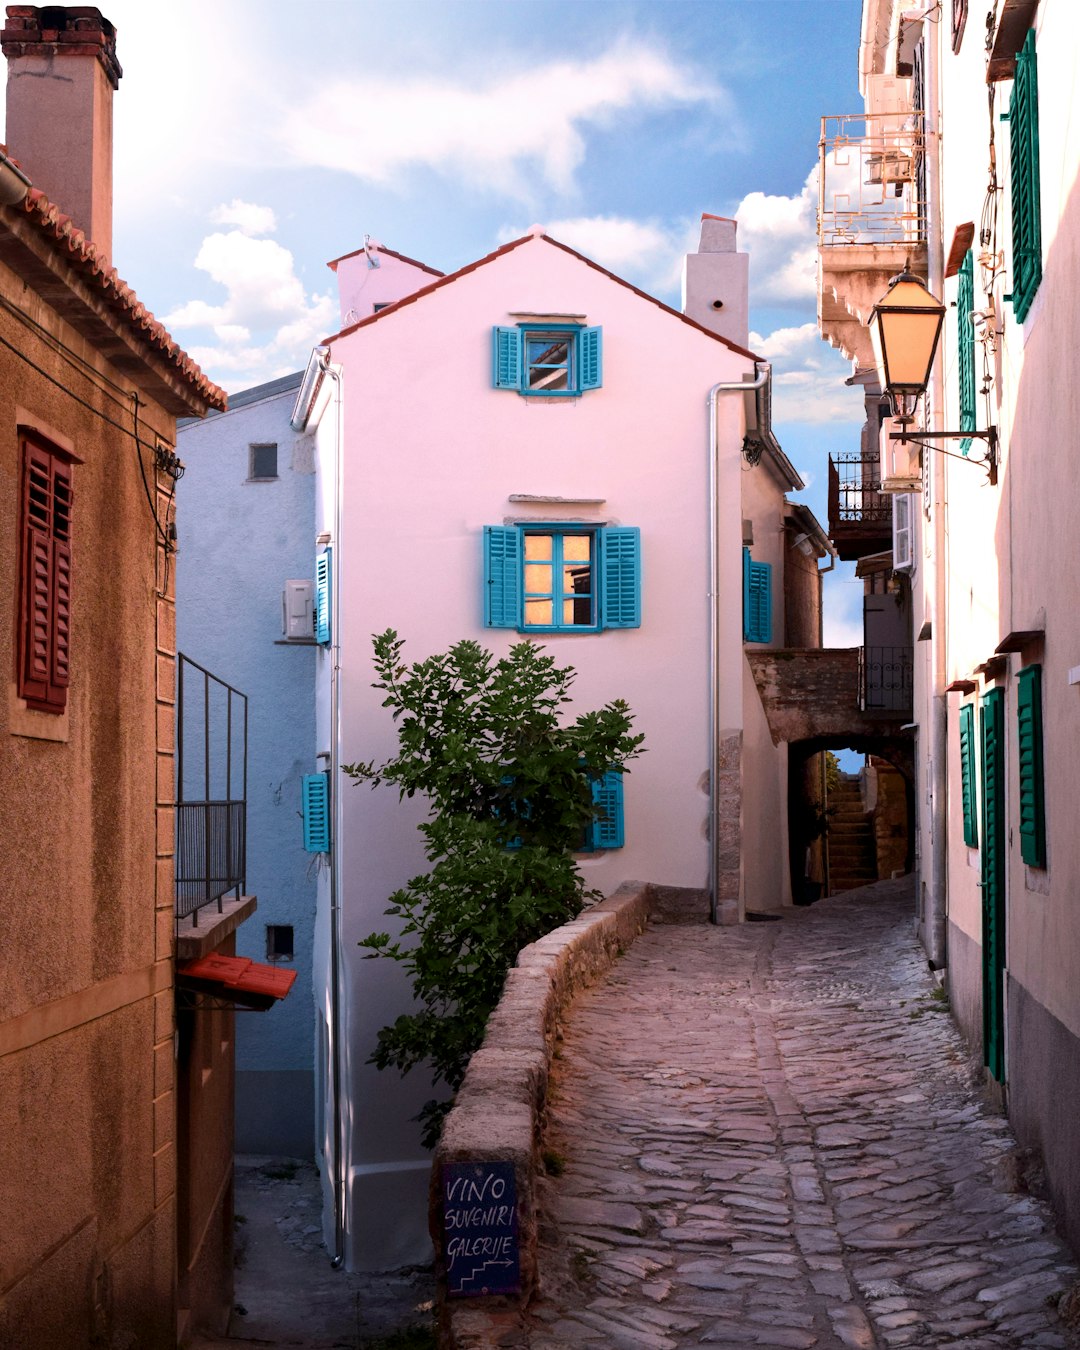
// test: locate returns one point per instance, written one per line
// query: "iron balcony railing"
(885, 677)
(855, 495)
(211, 789)
(871, 179)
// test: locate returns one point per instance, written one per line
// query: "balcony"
(860, 514)
(872, 217)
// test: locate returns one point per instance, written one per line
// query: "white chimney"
(716, 282)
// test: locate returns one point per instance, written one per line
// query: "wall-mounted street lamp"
(905, 326)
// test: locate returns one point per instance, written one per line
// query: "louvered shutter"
(757, 600)
(1024, 175)
(965, 303)
(607, 829)
(45, 583)
(620, 585)
(506, 358)
(590, 362)
(323, 572)
(502, 576)
(1029, 742)
(901, 520)
(993, 884)
(316, 812)
(967, 774)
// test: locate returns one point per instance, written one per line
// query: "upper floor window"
(965, 304)
(559, 361)
(757, 600)
(44, 617)
(562, 578)
(262, 462)
(1023, 118)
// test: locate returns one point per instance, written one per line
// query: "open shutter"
(607, 829)
(316, 805)
(322, 598)
(965, 303)
(502, 576)
(506, 358)
(967, 774)
(45, 580)
(620, 565)
(590, 363)
(1029, 744)
(757, 600)
(901, 523)
(1024, 174)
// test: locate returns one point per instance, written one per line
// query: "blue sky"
(257, 139)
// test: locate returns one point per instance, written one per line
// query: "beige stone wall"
(87, 1164)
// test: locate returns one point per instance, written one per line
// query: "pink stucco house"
(533, 406)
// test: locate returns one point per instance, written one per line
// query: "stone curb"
(498, 1114)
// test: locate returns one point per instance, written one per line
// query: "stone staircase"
(852, 850)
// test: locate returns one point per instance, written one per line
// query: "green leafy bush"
(511, 800)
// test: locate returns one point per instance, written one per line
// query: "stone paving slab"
(770, 1136)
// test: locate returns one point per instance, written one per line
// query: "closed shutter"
(322, 597)
(316, 812)
(757, 600)
(965, 303)
(1024, 173)
(502, 576)
(506, 358)
(993, 884)
(590, 364)
(607, 829)
(1029, 746)
(967, 774)
(620, 589)
(45, 583)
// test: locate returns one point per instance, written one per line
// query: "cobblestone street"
(769, 1135)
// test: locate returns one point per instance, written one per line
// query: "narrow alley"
(770, 1135)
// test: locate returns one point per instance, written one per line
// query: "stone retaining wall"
(498, 1114)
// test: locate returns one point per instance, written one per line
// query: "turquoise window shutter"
(1029, 742)
(322, 597)
(590, 363)
(757, 600)
(316, 812)
(965, 303)
(967, 774)
(506, 358)
(1023, 119)
(620, 586)
(607, 830)
(502, 576)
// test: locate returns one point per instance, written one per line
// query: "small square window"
(279, 941)
(263, 461)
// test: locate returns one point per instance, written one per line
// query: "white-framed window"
(902, 530)
(540, 361)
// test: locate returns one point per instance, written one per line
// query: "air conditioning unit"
(890, 166)
(890, 95)
(901, 464)
(297, 607)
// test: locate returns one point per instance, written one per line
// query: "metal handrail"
(870, 179)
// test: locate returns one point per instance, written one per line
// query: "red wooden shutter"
(45, 618)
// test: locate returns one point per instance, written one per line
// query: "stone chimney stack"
(716, 282)
(62, 72)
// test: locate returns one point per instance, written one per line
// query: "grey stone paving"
(771, 1137)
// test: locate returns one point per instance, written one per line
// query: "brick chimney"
(62, 71)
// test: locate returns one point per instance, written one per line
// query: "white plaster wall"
(433, 454)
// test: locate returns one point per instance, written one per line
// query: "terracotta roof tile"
(62, 235)
(379, 248)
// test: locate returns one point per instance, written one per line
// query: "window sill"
(38, 726)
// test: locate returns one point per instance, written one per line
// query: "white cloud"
(266, 324)
(247, 217)
(498, 134)
(780, 234)
(808, 377)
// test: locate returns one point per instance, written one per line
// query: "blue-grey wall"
(239, 541)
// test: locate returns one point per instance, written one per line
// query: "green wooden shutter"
(1024, 173)
(993, 883)
(607, 830)
(590, 365)
(965, 303)
(620, 572)
(315, 796)
(506, 358)
(502, 576)
(757, 600)
(967, 774)
(322, 597)
(1029, 744)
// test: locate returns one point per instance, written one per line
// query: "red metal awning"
(236, 979)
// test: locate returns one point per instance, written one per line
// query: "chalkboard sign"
(480, 1229)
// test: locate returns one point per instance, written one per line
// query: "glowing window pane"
(538, 612)
(538, 546)
(537, 578)
(576, 547)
